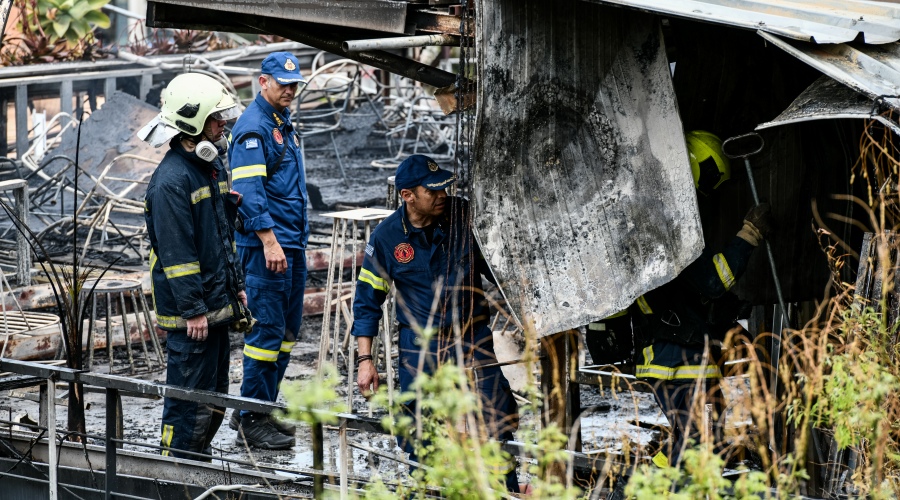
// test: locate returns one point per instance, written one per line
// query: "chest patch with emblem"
(277, 135)
(296, 140)
(404, 253)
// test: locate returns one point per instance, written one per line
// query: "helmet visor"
(156, 132)
(226, 114)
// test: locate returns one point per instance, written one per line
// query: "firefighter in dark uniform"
(678, 328)
(267, 169)
(686, 319)
(198, 285)
(429, 241)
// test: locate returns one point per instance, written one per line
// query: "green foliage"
(71, 19)
(854, 393)
(701, 477)
(305, 397)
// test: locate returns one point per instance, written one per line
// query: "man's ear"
(263, 81)
(407, 194)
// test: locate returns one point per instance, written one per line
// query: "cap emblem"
(289, 65)
(404, 253)
(433, 166)
(277, 135)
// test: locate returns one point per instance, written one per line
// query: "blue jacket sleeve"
(714, 274)
(177, 255)
(372, 288)
(247, 158)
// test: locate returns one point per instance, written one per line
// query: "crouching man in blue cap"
(267, 169)
(426, 248)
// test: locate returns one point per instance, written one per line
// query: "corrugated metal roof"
(818, 21)
(868, 69)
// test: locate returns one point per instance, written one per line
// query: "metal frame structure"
(31, 374)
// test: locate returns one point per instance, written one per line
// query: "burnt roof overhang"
(375, 15)
(322, 24)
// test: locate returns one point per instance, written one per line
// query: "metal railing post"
(51, 435)
(146, 83)
(109, 86)
(23, 251)
(318, 443)
(344, 458)
(21, 120)
(112, 402)
(65, 100)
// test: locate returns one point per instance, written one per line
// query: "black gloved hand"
(761, 218)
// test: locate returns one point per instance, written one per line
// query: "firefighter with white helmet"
(198, 285)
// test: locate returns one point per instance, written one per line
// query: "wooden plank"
(583, 193)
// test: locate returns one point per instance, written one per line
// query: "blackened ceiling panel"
(582, 188)
(376, 15)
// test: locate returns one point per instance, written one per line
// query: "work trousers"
(276, 302)
(187, 425)
(499, 408)
(676, 396)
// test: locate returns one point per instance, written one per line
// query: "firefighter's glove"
(233, 201)
(245, 321)
(757, 224)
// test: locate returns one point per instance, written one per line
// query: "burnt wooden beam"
(376, 15)
(315, 36)
(321, 36)
(437, 21)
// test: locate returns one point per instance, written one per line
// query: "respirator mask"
(207, 151)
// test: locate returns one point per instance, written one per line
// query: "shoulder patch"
(370, 250)
(251, 143)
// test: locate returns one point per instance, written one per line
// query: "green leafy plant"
(36, 40)
(314, 401)
(72, 20)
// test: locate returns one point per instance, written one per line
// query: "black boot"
(258, 431)
(286, 428)
(235, 421)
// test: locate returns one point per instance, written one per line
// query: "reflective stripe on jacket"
(400, 255)
(681, 311)
(668, 361)
(193, 260)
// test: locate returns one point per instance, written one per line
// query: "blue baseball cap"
(283, 66)
(420, 170)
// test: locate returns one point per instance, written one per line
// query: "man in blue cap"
(267, 169)
(426, 248)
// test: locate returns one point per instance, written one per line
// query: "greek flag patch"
(370, 250)
(251, 143)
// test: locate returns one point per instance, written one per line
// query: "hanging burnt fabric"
(582, 187)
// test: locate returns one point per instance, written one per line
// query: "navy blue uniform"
(194, 270)
(682, 317)
(274, 198)
(404, 256)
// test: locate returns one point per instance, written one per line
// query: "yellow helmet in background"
(709, 165)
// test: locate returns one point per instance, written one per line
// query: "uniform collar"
(404, 222)
(279, 118)
(408, 228)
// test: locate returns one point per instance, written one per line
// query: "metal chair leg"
(337, 155)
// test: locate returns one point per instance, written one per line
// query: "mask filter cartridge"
(206, 151)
